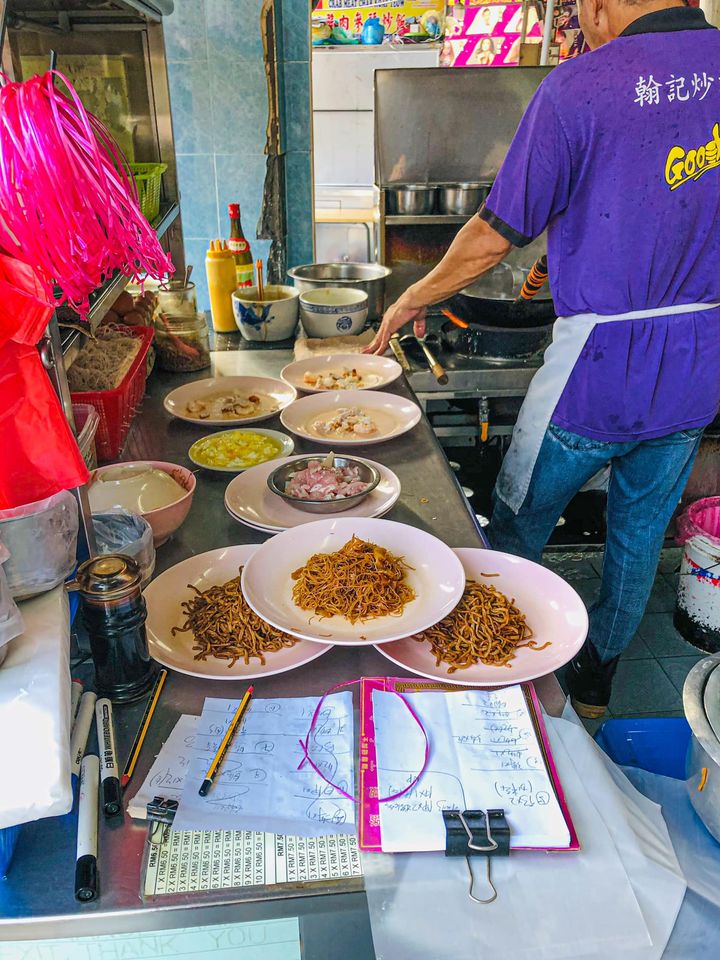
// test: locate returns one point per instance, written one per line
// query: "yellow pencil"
(225, 743)
(143, 729)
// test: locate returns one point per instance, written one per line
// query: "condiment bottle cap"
(218, 249)
(112, 575)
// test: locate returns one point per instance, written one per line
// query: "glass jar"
(182, 342)
(177, 299)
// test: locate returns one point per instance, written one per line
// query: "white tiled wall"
(343, 108)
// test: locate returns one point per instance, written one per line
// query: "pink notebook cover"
(369, 832)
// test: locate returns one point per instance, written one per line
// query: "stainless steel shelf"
(105, 296)
(397, 220)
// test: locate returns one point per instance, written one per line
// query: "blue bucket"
(656, 744)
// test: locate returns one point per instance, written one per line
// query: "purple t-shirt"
(618, 156)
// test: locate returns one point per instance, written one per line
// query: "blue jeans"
(646, 482)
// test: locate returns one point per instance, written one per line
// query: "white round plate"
(437, 578)
(249, 499)
(163, 597)
(394, 415)
(277, 394)
(288, 445)
(553, 609)
(273, 530)
(376, 372)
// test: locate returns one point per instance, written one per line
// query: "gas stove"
(468, 377)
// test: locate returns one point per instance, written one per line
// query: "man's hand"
(395, 317)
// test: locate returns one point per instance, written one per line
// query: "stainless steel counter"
(36, 900)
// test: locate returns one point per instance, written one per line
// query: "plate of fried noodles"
(516, 621)
(198, 622)
(353, 581)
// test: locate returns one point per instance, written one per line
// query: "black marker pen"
(109, 772)
(86, 885)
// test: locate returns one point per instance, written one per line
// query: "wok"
(491, 301)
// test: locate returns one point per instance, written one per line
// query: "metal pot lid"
(694, 705)
(112, 575)
(711, 701)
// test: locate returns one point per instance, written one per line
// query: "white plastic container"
(42, 540)
(697, 613)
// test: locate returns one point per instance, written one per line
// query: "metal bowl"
(369, 277)
(279, 478)
(461, 199)
(412, 200)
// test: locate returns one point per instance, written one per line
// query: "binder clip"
(160, 813)
(477, 833)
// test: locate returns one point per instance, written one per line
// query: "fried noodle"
(360, 582)
(485, 627)
(224, 626)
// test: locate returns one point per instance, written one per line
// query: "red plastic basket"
(117, 407)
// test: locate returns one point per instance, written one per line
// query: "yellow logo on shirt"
(683, 165)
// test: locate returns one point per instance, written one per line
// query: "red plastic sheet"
(39, 454)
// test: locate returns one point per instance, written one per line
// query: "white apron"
(570, 335)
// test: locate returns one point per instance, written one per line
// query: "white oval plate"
(395, 415)
(377, 372)
(288, 445)
(249, 499)
(437, 578)
(278, 392)
(163, 597)
(553, 609)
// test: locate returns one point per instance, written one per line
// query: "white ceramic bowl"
(137, 487)
(272, 318)
(333, 311)
(148, 492)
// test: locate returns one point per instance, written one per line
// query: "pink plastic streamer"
(306, 742)
(68, 203)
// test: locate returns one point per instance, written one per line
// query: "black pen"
(109, 772)
(86, 883)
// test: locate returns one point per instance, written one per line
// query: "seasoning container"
(222, 282)
(113, 612)
(182, 342)
(177, 298)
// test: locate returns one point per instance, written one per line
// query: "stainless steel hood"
(33, 12)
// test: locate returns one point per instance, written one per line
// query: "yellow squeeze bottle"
(222, 282)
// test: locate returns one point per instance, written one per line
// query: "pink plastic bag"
(701, 519)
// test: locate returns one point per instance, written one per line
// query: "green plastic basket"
(147, 177)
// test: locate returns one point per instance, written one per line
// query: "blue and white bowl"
(272, 318)
(333, 311)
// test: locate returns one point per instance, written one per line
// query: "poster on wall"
(412, 19)
(481, 34)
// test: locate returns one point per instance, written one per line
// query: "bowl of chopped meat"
(324, 484)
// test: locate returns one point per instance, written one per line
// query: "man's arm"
(476, 249)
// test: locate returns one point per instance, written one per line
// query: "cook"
(618, 156)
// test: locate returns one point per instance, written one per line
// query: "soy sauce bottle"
(114, 612)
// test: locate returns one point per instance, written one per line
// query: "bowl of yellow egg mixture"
(232, 451)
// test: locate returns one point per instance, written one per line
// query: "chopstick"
(260, 284)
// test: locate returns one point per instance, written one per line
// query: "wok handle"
(436, 368)
(535, 279)
(397, 349)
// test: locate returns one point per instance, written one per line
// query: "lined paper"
(484, 753)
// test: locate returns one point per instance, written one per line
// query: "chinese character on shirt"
(647, 91)
(676, 88)
(701, 85)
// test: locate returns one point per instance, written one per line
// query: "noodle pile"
(360, 581)
(225, 627)
(485, 627)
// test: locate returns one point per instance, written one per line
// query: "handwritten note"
(483, 753)
(259, 786)
(167, 774)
